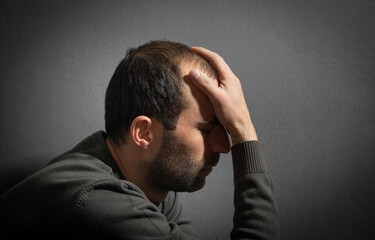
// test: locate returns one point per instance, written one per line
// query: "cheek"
(194, 142)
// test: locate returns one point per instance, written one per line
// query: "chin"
(198, 185)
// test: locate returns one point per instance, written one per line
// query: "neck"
(133, 171)
(155, 196)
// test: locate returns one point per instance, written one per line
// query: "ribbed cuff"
(248, 157)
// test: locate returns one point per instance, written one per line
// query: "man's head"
(152, 103)
(148, 82)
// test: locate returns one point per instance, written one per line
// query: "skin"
(213, 105)
(226, 96)
(189, 153)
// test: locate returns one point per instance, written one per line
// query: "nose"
(218, 140)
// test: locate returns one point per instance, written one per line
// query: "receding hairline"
(183, 54)
(203, 64)
(185, 66)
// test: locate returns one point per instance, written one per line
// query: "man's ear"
(140, 131)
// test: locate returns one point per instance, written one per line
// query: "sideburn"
(173, 168)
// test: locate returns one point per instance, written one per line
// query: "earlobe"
(140, 131)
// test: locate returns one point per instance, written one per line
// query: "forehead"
(198, 106)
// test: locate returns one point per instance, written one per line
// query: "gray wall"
(307, 69)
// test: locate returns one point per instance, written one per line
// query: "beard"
(173, 168)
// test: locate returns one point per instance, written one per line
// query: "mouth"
(212, 161)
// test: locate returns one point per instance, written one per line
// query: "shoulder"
(77, 166)
(117, 208)
(50, 196)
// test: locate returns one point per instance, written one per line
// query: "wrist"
(244, 134)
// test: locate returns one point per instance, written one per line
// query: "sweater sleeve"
(255, 215)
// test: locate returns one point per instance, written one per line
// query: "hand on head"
(226, 96)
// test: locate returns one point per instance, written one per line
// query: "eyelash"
(205, 132)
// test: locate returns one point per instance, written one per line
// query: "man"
(168, 111)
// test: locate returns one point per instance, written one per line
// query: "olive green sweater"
(83, 195)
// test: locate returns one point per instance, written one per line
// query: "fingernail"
(195, 74)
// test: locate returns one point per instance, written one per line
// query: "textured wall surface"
(307, 69)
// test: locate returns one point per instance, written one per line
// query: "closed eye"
(205, 132)
(206, 127)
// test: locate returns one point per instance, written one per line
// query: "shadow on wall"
(15, 174)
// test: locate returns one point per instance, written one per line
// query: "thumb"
(207, 85)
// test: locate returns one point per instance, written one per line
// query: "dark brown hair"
(147, 82)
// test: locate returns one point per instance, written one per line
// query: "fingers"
(215, 59)
(207, 85)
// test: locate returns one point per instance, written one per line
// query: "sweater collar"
(103, 153)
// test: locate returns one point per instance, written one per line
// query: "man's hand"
(226, 96)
